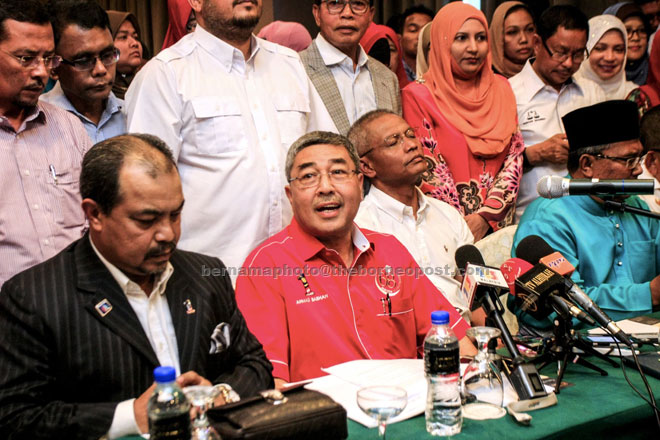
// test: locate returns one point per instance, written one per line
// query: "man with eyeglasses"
(41, 145)
(546, 90)
(349, 81)
(87, 70)
(324, 291)
(615, 254)
(392, 161)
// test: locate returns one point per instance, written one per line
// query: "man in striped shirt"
(41, 146)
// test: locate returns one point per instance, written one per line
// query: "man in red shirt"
(323, 291)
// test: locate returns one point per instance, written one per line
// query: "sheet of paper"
(630, 327)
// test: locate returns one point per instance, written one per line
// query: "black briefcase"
(302, 414)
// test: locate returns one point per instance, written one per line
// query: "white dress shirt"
(154, 315)
(540, 109)
(229, 122)
(432, 238)
(355, 86)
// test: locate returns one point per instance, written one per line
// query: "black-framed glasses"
(631, 161)
(358, 7)
(560, 57)
(641, 32)
(107, 57)
(312, 179)
(395, 139)
(33, 61)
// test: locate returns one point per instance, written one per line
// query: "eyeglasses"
(631, 162)
(108, 58)
(641, 32)
(560, 57)
(33, 61)
(395, 139)
(358, 7)
(313, 179)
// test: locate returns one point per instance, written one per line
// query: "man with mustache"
(546, 90)
(349, 82)
(392, 160)
(323, 291)
(82, 332)
(229, 104)
(41, 146)
(87, 70)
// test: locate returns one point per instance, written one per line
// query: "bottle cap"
(440, 317)
(164, 374)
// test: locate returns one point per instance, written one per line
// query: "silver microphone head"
(550, 187)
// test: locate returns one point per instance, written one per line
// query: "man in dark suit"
(82, 332)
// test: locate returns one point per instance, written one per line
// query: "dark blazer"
(384, 81)
(64, 367)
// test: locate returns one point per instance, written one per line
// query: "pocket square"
(220, 339)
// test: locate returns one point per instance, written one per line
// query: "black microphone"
(524, 377)
(532, 249)
(574, 310)
(552, 187)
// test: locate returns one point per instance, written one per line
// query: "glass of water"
(382, 403)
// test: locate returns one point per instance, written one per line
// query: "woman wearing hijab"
(466, 120)
(126, 36)
(379, 41)
(180, 15)
(648, 95)
(511, 32)
(607, 47)
(287, 33)
(423, 47)
(637, 31)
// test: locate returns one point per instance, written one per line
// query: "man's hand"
(140, 409)
(552, 150)
(279, 383)
(478, 226)
(190, 378)
(655, 290)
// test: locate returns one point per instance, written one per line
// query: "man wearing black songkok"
(616, 256)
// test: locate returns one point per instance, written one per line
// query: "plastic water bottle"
(168, 408)
(442, 368)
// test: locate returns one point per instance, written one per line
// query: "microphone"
(552, 187)
(512, 269)
(529, 249)
(484, 282)
(573, 310)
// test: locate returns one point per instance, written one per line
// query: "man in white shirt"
(546, 90)
(229, 105)
(349, 81)
(87, 71)
(392, 159)
(650, 137)
(83, 331)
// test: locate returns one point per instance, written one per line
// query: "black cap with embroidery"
(603, 123)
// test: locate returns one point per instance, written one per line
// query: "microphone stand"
(622, 207)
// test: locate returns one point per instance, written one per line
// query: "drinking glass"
(482, 384)
(202, 397)
(382, 403)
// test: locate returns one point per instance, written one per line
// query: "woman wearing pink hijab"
(376, 33)
(467, 122)
(287, 33)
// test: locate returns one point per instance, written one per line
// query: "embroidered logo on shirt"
(104, 307)
(220, 339)
(531, 116)
(388, 282)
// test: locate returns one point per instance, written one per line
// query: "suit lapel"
(186, 317)
(380, 87)
(325, 84)
(101, 291)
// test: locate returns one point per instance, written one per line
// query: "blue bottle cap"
(164, 374)
(440, 317)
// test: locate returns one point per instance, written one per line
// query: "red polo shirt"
(310, 311)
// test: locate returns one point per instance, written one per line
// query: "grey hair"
(574, 155)
(319, 138)
(358, 133)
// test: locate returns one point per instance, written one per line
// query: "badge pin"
(103, 307)
(189, 308)
(303, 280)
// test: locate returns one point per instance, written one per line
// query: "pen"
(53, 173)
(389, 304)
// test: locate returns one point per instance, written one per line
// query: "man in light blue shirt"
(616, 255)
(87, 72)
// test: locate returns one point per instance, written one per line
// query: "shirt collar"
(128, 286)
(57, 97)
(332, 56)
(395, 208)
(309, 246)
(225, 53)
(35, 114)
(534, 84)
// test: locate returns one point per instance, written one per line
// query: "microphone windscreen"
(468, 254)
(512, 269)
(550, 187)
(532, 248)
